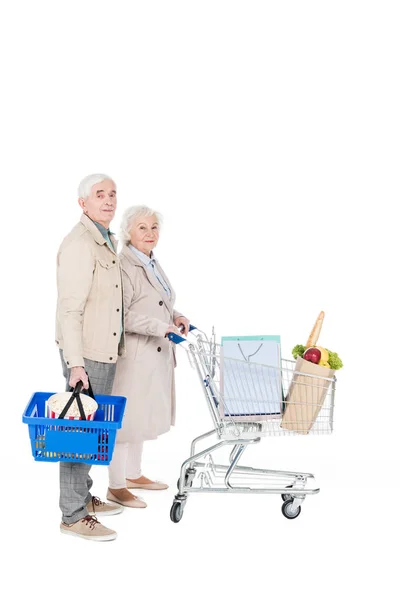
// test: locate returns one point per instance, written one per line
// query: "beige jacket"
(89, 306)
(145, 376)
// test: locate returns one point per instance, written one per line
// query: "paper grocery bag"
(306, 395)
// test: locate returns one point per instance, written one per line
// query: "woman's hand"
(78, 374)
(172, 329)
(182, 321)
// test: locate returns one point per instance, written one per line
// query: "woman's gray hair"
(88, 182)
(130, 215)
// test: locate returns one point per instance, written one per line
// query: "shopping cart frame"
(213, 477)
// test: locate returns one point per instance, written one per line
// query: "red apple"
(313, 355)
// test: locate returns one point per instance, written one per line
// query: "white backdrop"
(267, 134)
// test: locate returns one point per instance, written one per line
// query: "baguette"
(314, 335)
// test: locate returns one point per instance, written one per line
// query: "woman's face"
(145, 233)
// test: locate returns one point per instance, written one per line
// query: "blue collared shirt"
(151, 265)
(105, 233)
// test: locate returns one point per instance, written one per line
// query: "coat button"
(113, 262)
(161, 303)
(117, 309)
(114, 334)
(110, 357)
(116, 285)
(67, 362)
(158, 349)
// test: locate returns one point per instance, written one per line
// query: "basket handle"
(78, 389)
(75, 396)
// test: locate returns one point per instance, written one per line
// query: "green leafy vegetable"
(334, 361)
(298, 351)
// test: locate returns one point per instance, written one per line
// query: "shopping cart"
(238, 395)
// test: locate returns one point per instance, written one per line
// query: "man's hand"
(78, 374)
(179, 321)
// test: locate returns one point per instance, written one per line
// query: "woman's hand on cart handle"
(191, 328)
(172, 329)
(183, 324)
(78, 374)
(177, 339)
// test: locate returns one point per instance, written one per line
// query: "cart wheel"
(287, 496)
(287, 510)
(188, 480)
(176, 512)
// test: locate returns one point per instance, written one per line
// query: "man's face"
(101, 203)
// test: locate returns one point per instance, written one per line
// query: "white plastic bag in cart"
(251, 386)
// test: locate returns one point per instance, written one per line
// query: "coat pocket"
(143, 348)
(106, 274)
(131, 345)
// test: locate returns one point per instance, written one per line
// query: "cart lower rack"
(241, 397)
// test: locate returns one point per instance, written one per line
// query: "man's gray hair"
(130, 215)
(88, 182)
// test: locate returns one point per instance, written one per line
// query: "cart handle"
(177, 339)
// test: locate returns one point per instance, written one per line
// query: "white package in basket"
(56, 403)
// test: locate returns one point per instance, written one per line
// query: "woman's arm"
(136, 322)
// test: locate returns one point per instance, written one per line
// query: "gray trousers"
(75, 481)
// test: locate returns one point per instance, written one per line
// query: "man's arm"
(74, 281)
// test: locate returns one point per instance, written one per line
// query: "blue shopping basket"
(92, 442)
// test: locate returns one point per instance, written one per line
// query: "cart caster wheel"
(287, 496)
(186, 482)
(287, 510)
(188, 479)
(176, 512)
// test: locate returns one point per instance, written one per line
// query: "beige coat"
(146, 374)
(89, 305)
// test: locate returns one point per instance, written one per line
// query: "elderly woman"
(146, 374)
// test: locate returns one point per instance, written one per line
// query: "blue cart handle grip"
(177, 339)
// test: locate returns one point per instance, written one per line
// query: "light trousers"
(125, 464)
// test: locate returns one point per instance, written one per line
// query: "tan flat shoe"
(134, 503)
(155, 485)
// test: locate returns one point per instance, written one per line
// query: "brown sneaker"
(105, 509)
(89, 528)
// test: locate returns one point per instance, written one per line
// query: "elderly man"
(89, 333)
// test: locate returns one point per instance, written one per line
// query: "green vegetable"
(298, 351)
(334, 361)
